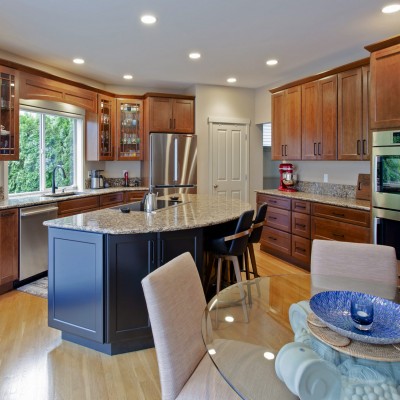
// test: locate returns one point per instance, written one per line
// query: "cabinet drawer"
(301, 224)
(275, 239)
(322, 228)
(76, 206)
(111, 199)
(129, 197)
(357, 217)
(278, 219)
(301, 206)
(274, 201)
(301, 248)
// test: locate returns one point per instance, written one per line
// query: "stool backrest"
(238, 245)
(258, 224)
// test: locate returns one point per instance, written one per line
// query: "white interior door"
(229, 152)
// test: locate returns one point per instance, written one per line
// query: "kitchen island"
(98, 259)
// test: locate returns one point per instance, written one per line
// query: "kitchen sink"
(139, 206)
(62, 194)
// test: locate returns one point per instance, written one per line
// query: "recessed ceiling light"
(194, 56)
(127, 76)
(392, 8)
(78, 60)
(148, 19)
(272, 62)
(231, 80)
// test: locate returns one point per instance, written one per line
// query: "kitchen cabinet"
(77, 206)
(319, 119)
(9, 236)
(170, 114)
(131, 196)
(352, 129)
(111, 199)
(129, 136)
(9, 114)
(286, 124)
(385, 84)
(100, 131)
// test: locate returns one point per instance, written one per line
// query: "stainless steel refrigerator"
(173, 163)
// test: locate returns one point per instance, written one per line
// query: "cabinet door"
(278, 125)
(293, 119)
(129, 129)
(160, 114)
(130, 259)
(9, 114)
(8, 246)
(327, 122)
(183, 116)
(385, 88)
(366, 96)
(309, 120)
(350, 122)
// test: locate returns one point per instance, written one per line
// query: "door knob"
(215, 186)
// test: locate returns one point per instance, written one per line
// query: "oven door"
(386, 228)
(386, 177)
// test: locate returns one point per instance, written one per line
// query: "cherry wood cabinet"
(77, 206)
(385, 84)
(286, 124)
(9, 236)
(131, 196)
(319, 119)
(100, 131)
(129, 136)
(169, 114)
(9, 114)
(111, 199)
(352, 132)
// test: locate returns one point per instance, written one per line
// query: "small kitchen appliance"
(96, 179)
(286, 181)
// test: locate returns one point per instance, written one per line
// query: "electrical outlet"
(325, 178)
(89, 175)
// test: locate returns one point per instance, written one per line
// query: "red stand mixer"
(286, 182)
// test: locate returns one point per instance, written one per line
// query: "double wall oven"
(386, 188)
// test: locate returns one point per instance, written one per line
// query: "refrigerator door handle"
(175, 159)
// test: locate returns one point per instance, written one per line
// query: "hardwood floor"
(36, 364)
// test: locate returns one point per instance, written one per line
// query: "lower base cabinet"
(95, 292)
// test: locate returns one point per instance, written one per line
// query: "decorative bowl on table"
(333, 308)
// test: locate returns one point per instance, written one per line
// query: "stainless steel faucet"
(53, 180)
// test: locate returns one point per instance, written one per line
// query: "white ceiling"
(235, 38)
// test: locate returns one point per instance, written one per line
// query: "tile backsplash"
(329, 189)
(117, 182)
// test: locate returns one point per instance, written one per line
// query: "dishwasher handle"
(36, 212)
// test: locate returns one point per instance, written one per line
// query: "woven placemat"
(377, 352)
(314, 320)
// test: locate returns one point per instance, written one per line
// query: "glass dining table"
(266, 341)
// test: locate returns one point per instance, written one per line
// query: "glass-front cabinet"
(129, 129)
(9, 115)
(106, 123)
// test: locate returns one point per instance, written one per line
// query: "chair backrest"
(175, 302)
(238, 246)
(354, 260)
(258, 224)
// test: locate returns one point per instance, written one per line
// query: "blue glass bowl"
(333, 307)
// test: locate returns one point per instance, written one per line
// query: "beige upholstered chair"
(175, 302)
(356, 260)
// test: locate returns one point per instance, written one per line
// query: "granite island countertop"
(321, 198)
(35, 200)
(196, 211)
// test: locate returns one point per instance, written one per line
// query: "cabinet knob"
(215, 186)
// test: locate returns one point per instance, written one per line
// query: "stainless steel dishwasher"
(33, 239)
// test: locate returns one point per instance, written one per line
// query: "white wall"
(262, 105)
(220, 101)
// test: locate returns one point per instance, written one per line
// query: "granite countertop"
(35, 200)
(321, 198)
(197, 211)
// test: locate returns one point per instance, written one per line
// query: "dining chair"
(364, 261)
(175, 303)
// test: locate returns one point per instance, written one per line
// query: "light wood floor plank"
(35, 364)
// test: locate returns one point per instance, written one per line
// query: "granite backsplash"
(329, 189)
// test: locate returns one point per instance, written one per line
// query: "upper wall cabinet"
(166, 114)
(385, 84)
(35, 87)
(286, 124)
(100, 131)
(319, 119)
(9, 114)
(352, 106)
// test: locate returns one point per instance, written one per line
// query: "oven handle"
(378, 172)
(377, 221)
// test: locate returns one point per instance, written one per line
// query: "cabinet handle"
(358, 147)
(273, 201)
(315, 149)
(301, 225)
(319, 148)
(338, 215)
(338, 235)
(6, 214)
(365, 147)
(170, 123)
(162, 253)
(285, 149)
(301, 207)
(282, 152)
(300, 249)
(271, 237)
(272, 218)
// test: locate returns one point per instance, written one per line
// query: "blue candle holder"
(362, 313)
